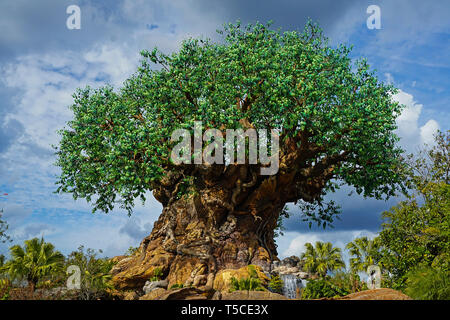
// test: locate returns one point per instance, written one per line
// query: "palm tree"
(321, 258)
(363, 253)
(35, 260)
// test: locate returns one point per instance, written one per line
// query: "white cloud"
(428, 131)
(412, 135)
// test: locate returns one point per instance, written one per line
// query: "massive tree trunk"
(219, 224)
(225, 219)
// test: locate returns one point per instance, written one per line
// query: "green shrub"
(157, 274)
(5, 287)
(322, 288)
(426, 283)
(276, 284)
(177, 286)
(252, 283)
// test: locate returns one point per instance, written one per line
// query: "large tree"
(334, 120)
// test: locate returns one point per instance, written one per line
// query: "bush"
(348, 282)
(426, 283)
(5, 288)
(157, 274)
(95, 274)
(177, 286)
(276, 284)
(322, 288)
(252, 283)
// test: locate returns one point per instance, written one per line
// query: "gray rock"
(151, 285)
(291, 261)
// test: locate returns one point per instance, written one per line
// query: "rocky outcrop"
(376, 294)
(252, 295)
(152, 285)
(290, 265)
(222, 281)
(192, 293)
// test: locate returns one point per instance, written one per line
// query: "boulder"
(252, 295)
(130, 295)
(154, 294)
(222, 281)
(151, 285)
(376, 294)
(291, 261)
(192, 293)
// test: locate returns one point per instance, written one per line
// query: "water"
(290, 285)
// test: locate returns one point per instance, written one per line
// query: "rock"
(199, 280)
(151, 285)
(252, 295)
(154, 294)
(222, 281)
(217, 296)
(132, 272)
(302, 275)
(376, 294)
(291, 261)
(192, 293)
(130, 295)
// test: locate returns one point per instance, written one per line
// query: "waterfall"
(290, 285)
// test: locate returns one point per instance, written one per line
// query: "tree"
(321, 258)
(95, 273)
(333, 119)
(364, 252)
(426, 283)
(416, 232)
(34, 261)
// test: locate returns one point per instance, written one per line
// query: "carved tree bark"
(226, 221)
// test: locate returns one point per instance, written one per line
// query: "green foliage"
(157, 274)
(251, 283)
(177, 286)
(5, 288)
(349, 282)
(426, 283)
(321, 258)
(417, 230)
(95, 273)
(279, 229)
(276, 284)
(33, 262)
(132, 251)
(117, 147)
(363, 253)
(322, 288)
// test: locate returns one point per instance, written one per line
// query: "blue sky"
(42, 63)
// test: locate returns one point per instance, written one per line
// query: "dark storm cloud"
(40, 26)
(288, 14)
(357, 213)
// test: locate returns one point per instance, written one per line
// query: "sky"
(42, 62)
